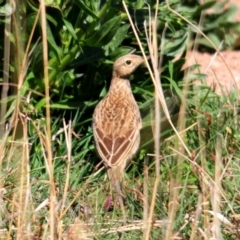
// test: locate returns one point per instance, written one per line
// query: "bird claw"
(109, 204)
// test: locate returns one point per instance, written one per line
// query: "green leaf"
(120, 51)
(213, 37)
(228, 15)
(70, 29)
(105, 33)
(52, 42)
(62, 106)
(52, 20)
(88, 55)
(86, 9)
(176, 45)
(118, 38)
(40, 104)
(204, 6)
(6, 10)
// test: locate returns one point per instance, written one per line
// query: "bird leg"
(116, 177)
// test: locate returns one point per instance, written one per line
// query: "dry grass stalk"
(49, 162)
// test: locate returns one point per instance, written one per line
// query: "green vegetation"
(52, 184)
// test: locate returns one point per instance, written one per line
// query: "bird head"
(125, 65)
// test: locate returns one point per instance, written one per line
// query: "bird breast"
(118, 111)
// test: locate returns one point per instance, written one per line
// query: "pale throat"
(120, 87)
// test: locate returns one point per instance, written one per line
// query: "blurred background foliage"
(86, 37)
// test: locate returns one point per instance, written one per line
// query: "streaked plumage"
(117, 121)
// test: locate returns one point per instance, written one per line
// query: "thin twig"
(48, 122)
(145, 192)
(6, 65)
(68, 137)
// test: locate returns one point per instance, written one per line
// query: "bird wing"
(116, 126)
(116, 148)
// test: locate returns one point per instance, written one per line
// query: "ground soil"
(223, 71)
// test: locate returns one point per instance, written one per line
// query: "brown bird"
(117, 122)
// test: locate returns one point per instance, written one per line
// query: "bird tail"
(115, 176)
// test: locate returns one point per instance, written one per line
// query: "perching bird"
(117, 122)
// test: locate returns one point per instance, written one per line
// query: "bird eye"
(128, 62)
